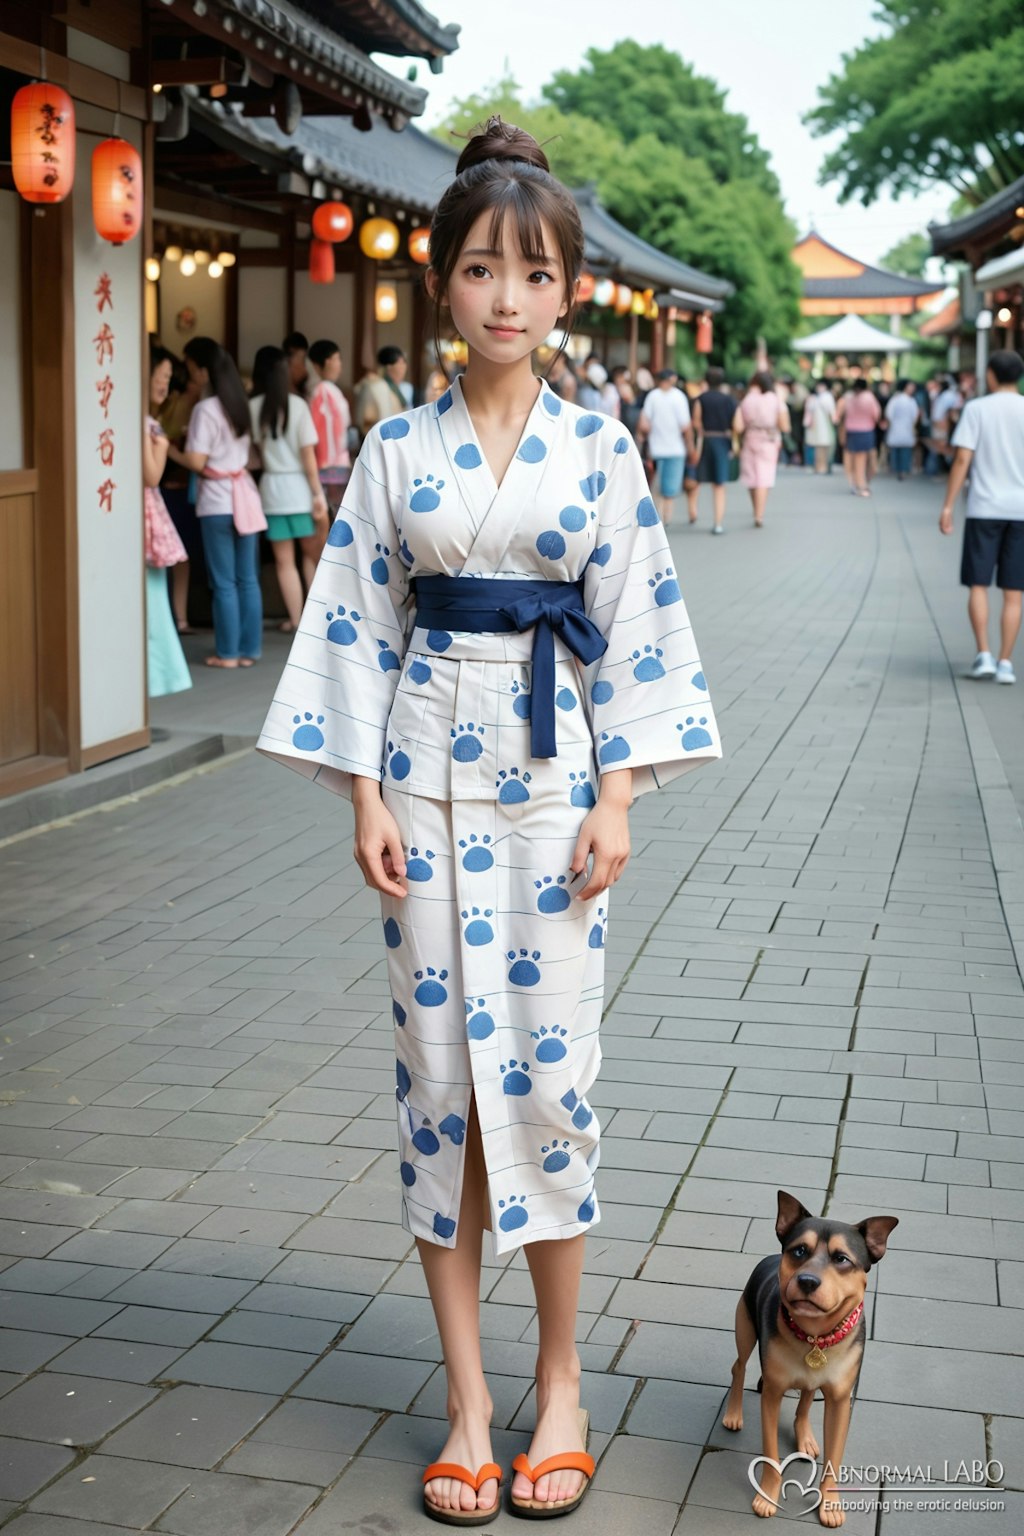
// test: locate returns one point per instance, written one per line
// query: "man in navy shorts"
(989, 443)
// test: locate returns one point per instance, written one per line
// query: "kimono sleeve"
(330, 711)
(647, 695)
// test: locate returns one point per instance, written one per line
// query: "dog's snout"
(808, 1283)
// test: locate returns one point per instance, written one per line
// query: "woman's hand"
(605, 834)
(319, 507)
(378, 845)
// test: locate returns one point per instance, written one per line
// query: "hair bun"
(499, 140)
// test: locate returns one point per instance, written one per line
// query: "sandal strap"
(463, 1474)
(570, 1461)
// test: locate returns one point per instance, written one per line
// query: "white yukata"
(496, 971)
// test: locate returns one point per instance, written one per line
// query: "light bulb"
(172, 253)
(188, 265)
(1004, 315)
(202, 258)
(226, 258)
(152, 269)
(215, 269)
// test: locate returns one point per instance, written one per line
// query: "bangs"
(519, 209)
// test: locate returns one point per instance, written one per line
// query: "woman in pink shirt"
(859, 414)
(332, 420)
(760, 420)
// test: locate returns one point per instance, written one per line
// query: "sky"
(769, 58)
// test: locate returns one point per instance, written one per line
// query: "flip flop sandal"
(464, 1475)
(574, 1461)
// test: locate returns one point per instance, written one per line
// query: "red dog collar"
(816, 1358)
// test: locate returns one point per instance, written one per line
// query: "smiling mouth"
(505, 330)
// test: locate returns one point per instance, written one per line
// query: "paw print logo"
(511, 788)
(602, 692)
(665, 588)
(426, 494)
(514, 1079)
(478, 930)
(513, 1214)
(419, 868)
(431, 992)
(553, 895)
(551, 1047)
(587, 1209)
(595, 939)
(454, 1127)
(478, 855)
(565, 699)
(593, 485)
(648, 666)
(580, 1110)
(646, 513)
(386, 658)
(521, 702)
(698, 680)
(392, 934)
(694, 735)
(396, 762)
(556, 1157)
(466, 743)
(309, 737)
(444, 1226)
(341, 630)
(479, 1024)
(573, 519)
(420, 673)
(523, 971)
(379, 567)
(425, 1141)
(341, 535)
(581, 792)
(614, 749)
(438, 639)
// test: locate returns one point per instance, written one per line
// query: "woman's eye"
(545, 277)
(477, 271)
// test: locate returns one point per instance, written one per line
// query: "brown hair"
(503, 170)
(763, 381)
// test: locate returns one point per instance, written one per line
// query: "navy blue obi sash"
(481, 605)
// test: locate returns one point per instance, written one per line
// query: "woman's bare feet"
(222, 661)
(469, 1444)
(558, 1429)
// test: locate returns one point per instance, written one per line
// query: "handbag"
(734, 467)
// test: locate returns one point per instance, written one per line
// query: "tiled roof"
(610, 245)
(993, 218)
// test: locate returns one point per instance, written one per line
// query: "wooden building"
(838, 284)
(990, 241)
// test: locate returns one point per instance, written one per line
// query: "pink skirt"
(162, 546)
(759, 457)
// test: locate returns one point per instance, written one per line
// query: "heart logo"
(807, 1490)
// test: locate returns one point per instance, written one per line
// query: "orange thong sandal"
(574, 1461)
(464, 1475)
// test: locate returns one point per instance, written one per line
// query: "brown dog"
(805, 1312)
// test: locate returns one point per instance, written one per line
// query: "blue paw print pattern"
(513, 1214)
(478, 929)
(614, 749)
(403, 1082)
(392, 934)
(514, 1079)
(666, 588)
(553, 895)
(386, 658)
(578, 1108)
(309, 737)
(595, 939)
(399, 1013)
(698, 680)
(467, 456)
(602, 554)
(444, 1226)
(573, 519)
(479, 1024)
(454, 1127)
(405, 553)
(445, 402)
(621, 445)
(521, 702)
(532, 451)
(408, 1173)
(478, 855)
(587, 425)
(420, 673)
(648, 667)
(551, 404)
(425, 1141)
(581, 792)
(601, 692)
(565, 699)
(593, 484)
(524, 971)
(586, 1210)
(379, 567)
(556, 1157)
(551, 1047)
(426, 494)
(431, 992)
(438, 639)
(646, 512)
(397, 762)
(394, 428)
(341, 630)
(466, 743)
(419, 866)
(341, 535)
(512, 789)
(694, 735)
(550, 544)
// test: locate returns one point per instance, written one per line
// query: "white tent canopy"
(852, 334)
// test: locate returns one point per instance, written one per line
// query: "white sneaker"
(984, 665)
(718, 528)
(1005, 672)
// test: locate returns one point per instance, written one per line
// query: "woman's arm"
(308, 457)
(196, 462)
(785, 423)
(739, 424)
(154, 457)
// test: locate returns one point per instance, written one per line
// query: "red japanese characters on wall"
(103, 341)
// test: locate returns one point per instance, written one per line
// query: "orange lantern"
(705, 333)
(585, 292)
(43, 143)
(623, 299)
(116, 191)
(419, 245)
(333, 222)
(321, 261)
(378, 238)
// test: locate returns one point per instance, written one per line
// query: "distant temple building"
(838, 284)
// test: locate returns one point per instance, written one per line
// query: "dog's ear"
(875, 1232)
(790, 1212)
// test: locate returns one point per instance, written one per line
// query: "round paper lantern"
(43, 143)
(333, 222)
(378, 238)
(705, 333)
(321, 262)
(604, 293)
(386, 304)
(585, 292)
(623, 299)
(419, 245)
(639, 304)
(116, 191)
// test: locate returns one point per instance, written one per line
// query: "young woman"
(167, 669)
(293, 500)
(494, 660)
(760, 420)
(859, 414)
(332, 420)
(217, 449)
(820, 426)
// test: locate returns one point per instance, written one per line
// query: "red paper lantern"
(333, 222)
(321, 262)
(116, 191)
(585, 292)
(705, 333)
(43, 143)
(419, 245)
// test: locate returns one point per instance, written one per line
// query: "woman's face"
(502, 304)
(331, 368)
(198, 377)
(160, 382)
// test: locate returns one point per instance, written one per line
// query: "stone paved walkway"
(211, 1320)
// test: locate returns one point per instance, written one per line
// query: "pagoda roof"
(976, 234)
(612, 247)
(402, 27)
(836, 283)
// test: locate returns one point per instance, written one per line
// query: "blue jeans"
(899, 460)
(232, 563)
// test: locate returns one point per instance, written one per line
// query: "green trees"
(908, 255)
(935, 100)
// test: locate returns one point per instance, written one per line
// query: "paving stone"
(26, 1465)
(155, 1325)
(116, 1360)
(190, 1426)
(69, 1410)
(219, 1504)
(365, 1381)
(110, 1488)
(247, 1369)
(192, 1293)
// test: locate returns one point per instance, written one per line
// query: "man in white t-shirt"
(989, 443)
(665, 422)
